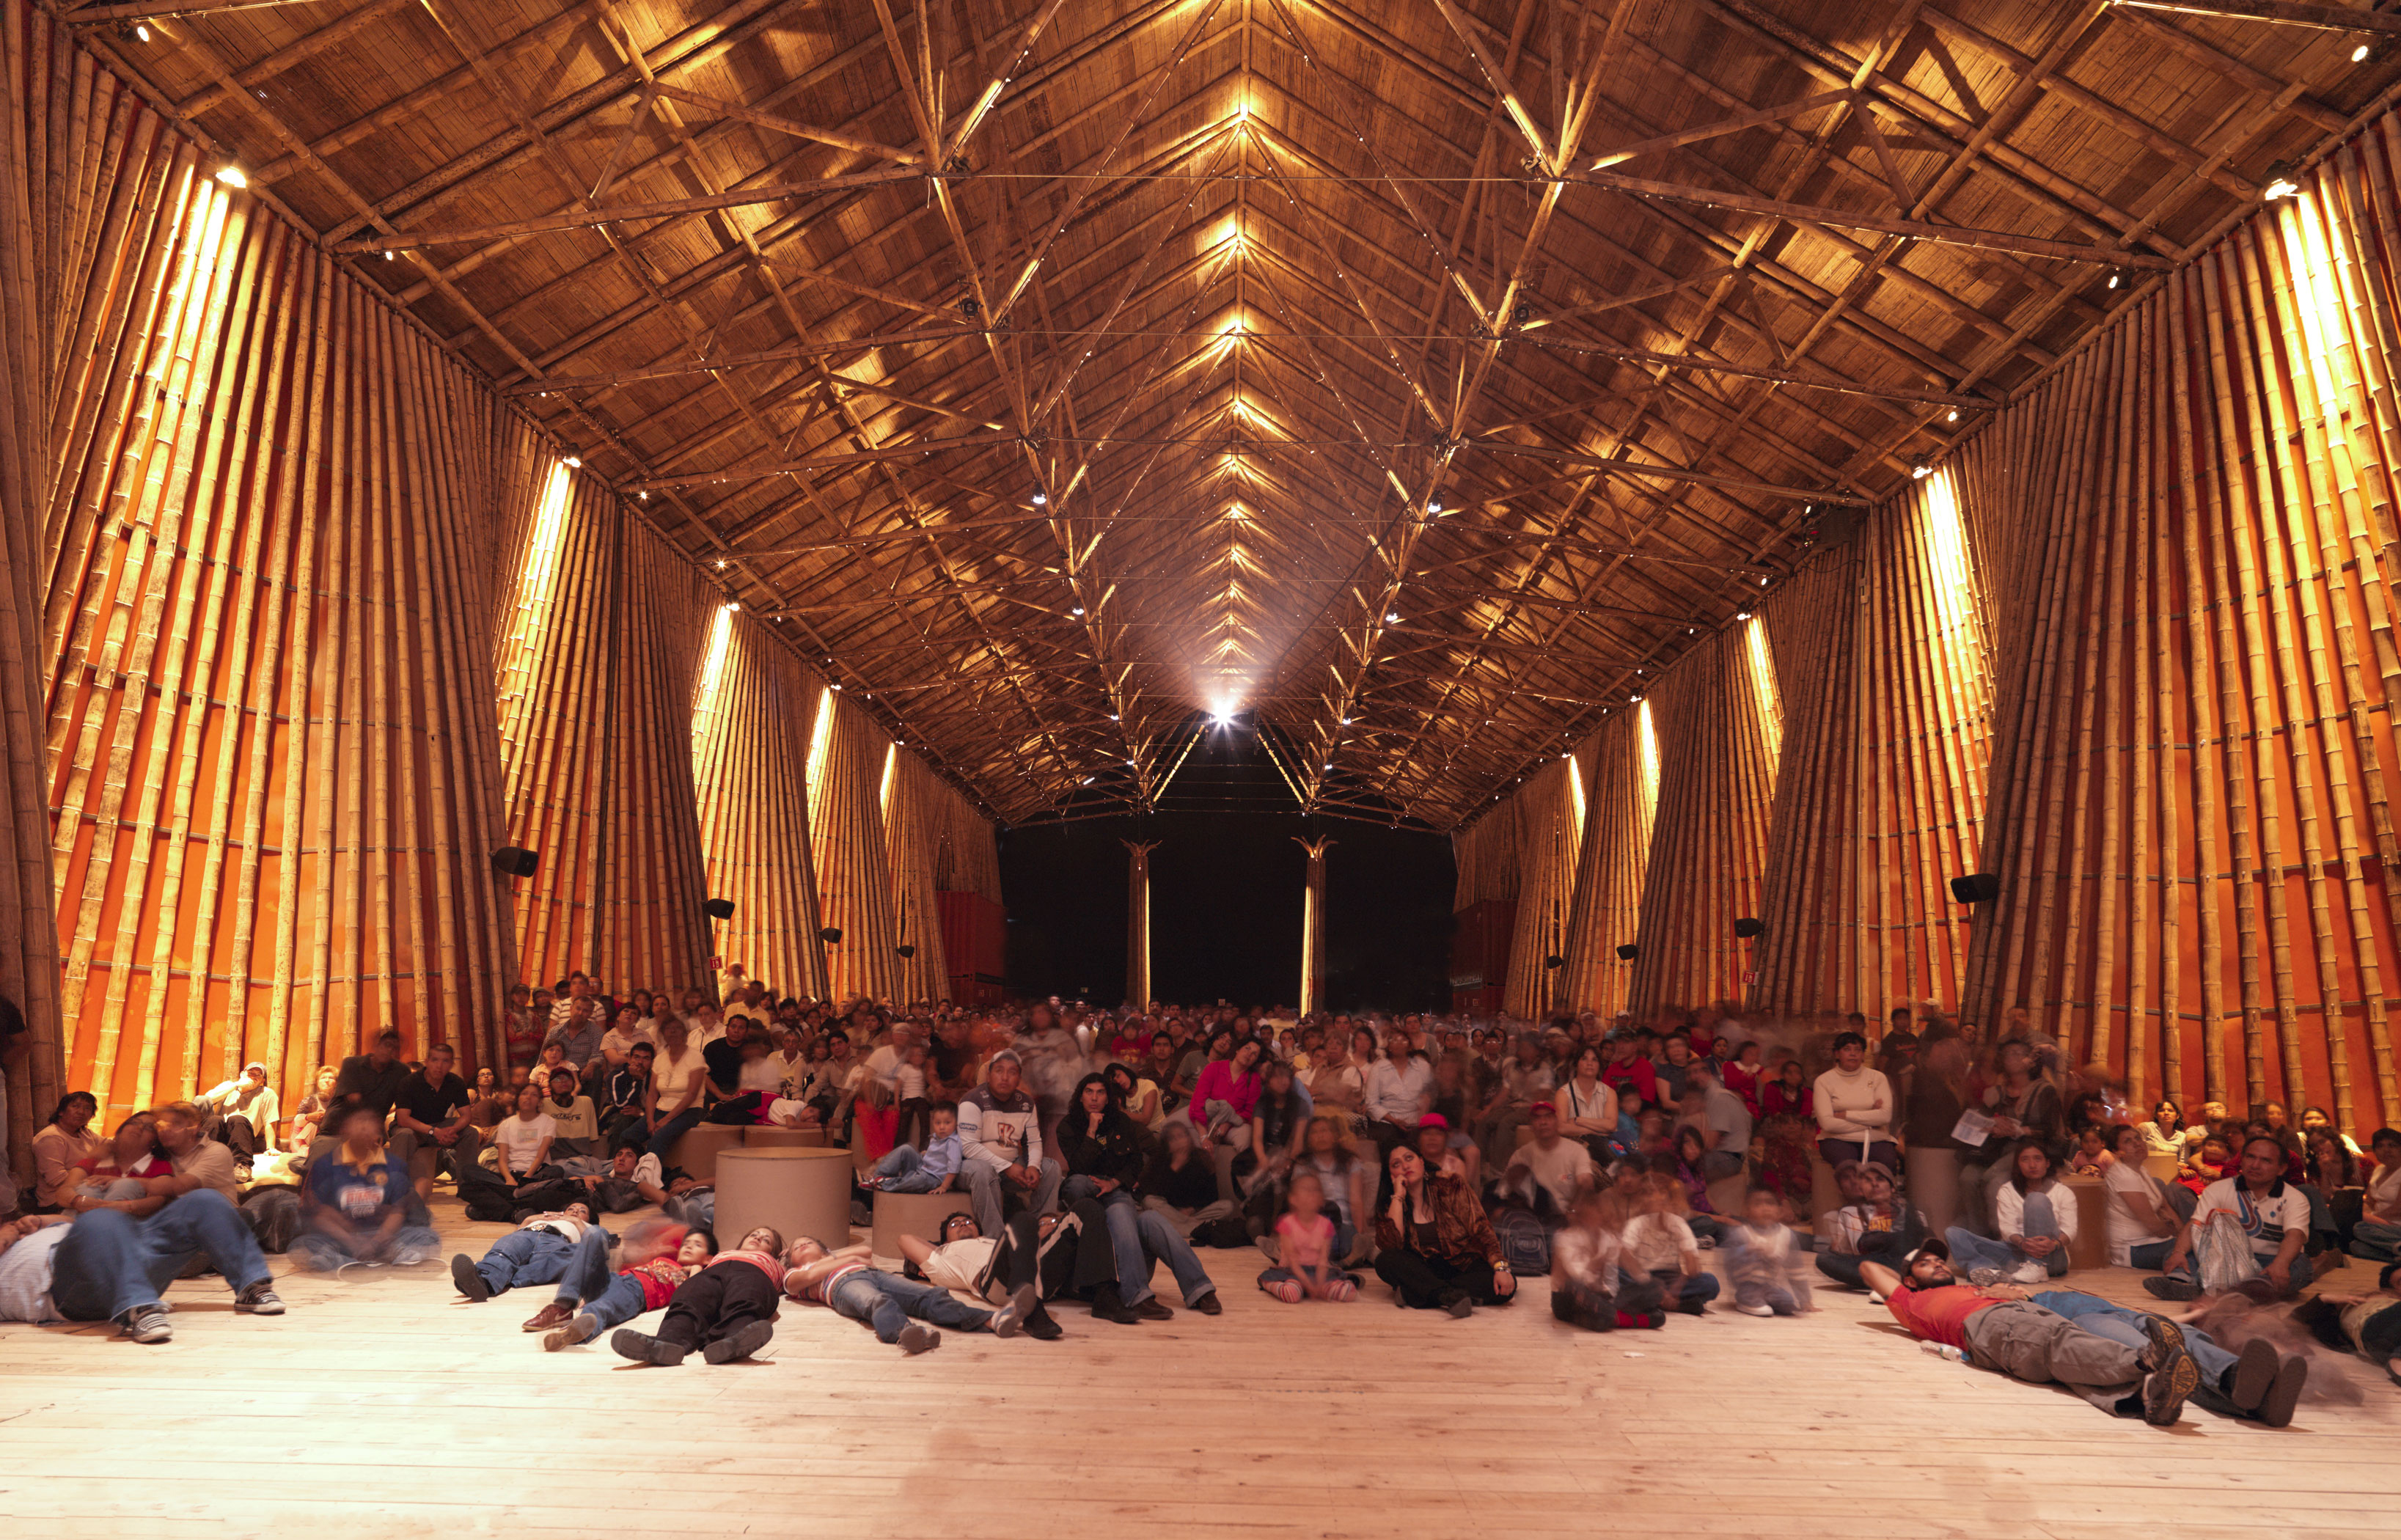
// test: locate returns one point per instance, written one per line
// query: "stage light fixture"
(1742, 615)
(1920, 468)
(573, 463)
(1951, 416)
(232, 176)
(1078, 611)
(1040, 500)
(1392, 617)
(734, 607)
(2116, 277)
(2281, 183)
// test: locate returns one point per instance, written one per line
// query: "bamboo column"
(1312, 926)
(1137, 994)
(1620, 811)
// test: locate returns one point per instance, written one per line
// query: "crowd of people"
(1645, 1169)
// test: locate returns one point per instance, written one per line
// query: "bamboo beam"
(582, 219)
(1914, 229)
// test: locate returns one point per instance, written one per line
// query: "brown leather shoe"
(1152, 1309)
(551, 1315)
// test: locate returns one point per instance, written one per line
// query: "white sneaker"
(1754, 1310)
(2030, 1273)
(1874, 1297)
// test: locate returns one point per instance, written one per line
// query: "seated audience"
(1874, 1224)
(1589, 1285)
(2256, 1217)
(575, 1121)
(360, 1207)
(1765, 1259)
(62, 1145)
(2035, 1215)
(1855, 1107)
(2142, 1210)
(935, 1169)
(1433, 1245)
(2376, 1237)
(1545, 1171)
(243, 1112)
(1660, 1244)
(313, 1108)
(374, 1079)
(1001, 1139)
(1307, 1264)
(432, 1116)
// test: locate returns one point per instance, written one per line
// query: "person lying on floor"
(2368, 1324)
(109, 1266)
(535, 1252)
(657, 1257)
(1991, 1328)
(724, 1312)
(2259, 1383)
(899, 1311)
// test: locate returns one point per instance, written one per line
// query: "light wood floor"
(382, 1404)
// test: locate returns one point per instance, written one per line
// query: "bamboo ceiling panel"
(1242, 289)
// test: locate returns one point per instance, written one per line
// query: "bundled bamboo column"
(1137, 994)
(1619, 811)
(1716, 717)
(847, 759)
(1313, 926)
(912, 833)
(1551, 823)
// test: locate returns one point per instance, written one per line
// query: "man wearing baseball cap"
(1997, 1328)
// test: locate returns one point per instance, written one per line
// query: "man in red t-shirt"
(2000, 1328)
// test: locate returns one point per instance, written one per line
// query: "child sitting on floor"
(1305, 1259)
(1587, 1287)
(935, 1169)
(1765, 1259)
(1660, 1244)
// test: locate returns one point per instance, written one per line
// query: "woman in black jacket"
(1101, 1150)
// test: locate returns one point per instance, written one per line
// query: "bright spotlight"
(232, 176)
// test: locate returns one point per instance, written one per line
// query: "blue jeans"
(989, 1192)
(2122, 1325)
(1702, 1286)
(1971, 1250)
(1160, 1241)
(612, 1298)
(904, 1171)
(1124, 1219)
(696, 1208)
(111, 1262)
(524, 1258)
(885, 1302)
(632, 1138)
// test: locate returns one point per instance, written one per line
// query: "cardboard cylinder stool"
(696, 1152)
(768, 1137)
(2091, 1247)
(798, 1192)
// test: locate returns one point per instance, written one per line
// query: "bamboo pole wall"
(2192, 812)
(258, 651)
(37, 244)
(750, 751)
(1880, 793)
(847, 758)
(298, 623)
(1486, 854)
(1622, 799)
(1716, 718)
(1550, 819)
(967, 852)
(912, 827)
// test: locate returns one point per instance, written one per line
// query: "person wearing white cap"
(244, 1111)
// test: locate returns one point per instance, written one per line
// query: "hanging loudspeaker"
(1555, 960)
(511, 861)
(1976, 887)
(1625, 953)
(1746, 928)
(906, 950)
(719, 909)
(831, 934)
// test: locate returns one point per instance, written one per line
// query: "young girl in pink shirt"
(1304, 1248)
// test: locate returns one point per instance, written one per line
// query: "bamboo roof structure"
(1410, 379)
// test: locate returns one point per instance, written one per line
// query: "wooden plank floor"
(383, 1406)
